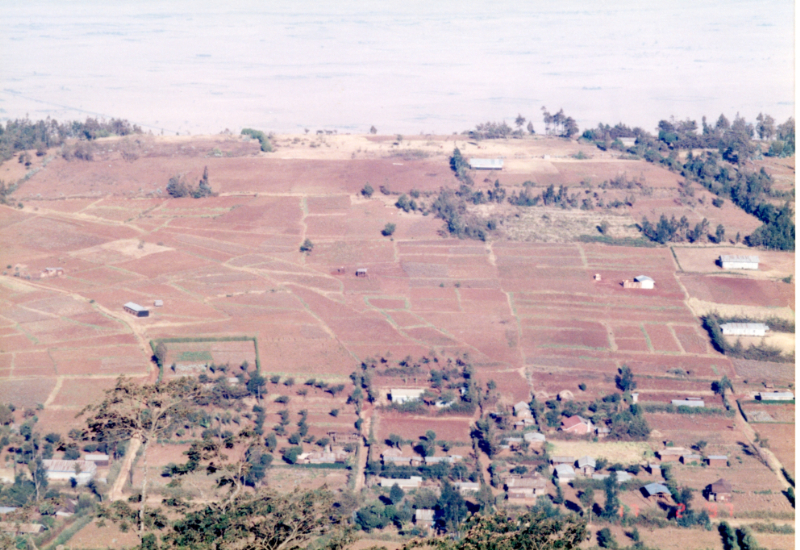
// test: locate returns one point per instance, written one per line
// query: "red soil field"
(27, 392)
(453, 429)
(738, 290)
(690, 339)
(661, 338)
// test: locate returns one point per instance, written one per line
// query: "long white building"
(738, 262)
(744, 329)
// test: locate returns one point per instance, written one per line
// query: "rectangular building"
(738, 262)
(744, 329)
(486, 164)
(136, 310)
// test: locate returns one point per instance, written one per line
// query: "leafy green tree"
(396, 494)
(624, 379)
(395, 441)
(719, 235)
(729, 539)
(307, 246)
(291, 454)
(612, 504)
(451, 509)
(388, 230)
(605, 539)
(367, 190)
(372, 516)
(535, 530)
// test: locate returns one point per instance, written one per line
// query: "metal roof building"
(136, 309)
(744, 329)
(486, 164)
(738, 262)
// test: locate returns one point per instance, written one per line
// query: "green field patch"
(202, 356)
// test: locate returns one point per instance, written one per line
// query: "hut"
(775, 396)
(158, 303)
(413, 482)
(361, 272)
(586, 465)
(565, 473)
(719, 491)
(63, 470)
(404, 395)
(100, 459)
(657, 490)
(576, 425)
(423, 517)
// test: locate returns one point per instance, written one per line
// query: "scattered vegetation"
(263, 139)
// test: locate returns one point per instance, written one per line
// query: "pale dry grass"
(624, 452)
(127, 248)
(702, 259)
(701, 308)
(555, 225)
(781, 340)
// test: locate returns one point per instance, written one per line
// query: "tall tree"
(141, 413)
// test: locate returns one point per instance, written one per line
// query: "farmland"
(524, 310)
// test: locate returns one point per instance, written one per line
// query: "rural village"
(425, 326)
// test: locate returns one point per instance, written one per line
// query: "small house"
(586, 465)
(48, 272)
(63, 470)
(345, 438)
(522, 409)
(654, 468)
(602, 432)
(413, 482)
(691, 457)
(738, 262)
(719, 491)
(565, 473)
(534, 439)
(136, 310)
(556, 460)
(627, 141)
(361, 272)
(744, 329)
(671, 454)
(466, 487)
(158, 303)
(576, 425)
(486, 164)
(717, 461)
(656, 490)
(100, 460)
(775, 396)
(513, 443)
(423, 517)
(404, 395)
(622, 476)
(645, 281)
(536, 485)
(635, 397)
(598, 277)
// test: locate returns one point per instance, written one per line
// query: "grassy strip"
(69, 532)
(768, 402)
(618, 241)
(154, 343)
(682, 409)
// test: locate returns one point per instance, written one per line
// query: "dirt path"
(765, 454)
(362, 457)
(127, 463)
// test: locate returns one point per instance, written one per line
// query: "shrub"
(367, 190)
(307, 246)
(266, 146)
(388, 230)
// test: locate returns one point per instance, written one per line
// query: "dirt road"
(127, 463)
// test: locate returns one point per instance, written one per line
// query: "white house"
(739, 262)
(565, 473)
(401, 395)
(628, 141)
(413, 482)
(486, 164)
(744, 329)
(465, 487)
(645, 281)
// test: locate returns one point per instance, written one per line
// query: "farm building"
(689, 402)
(322, 457)
(465, 487)
(671, 454)
(717, 460)
(720, 491)
(586, 465)
(642, 281)
(423, 517)
(658, 490)
(48, 272)
(452, 459)
(98, 458)
(565, 473)
(627, 141)
(576, 425)
(486, 164)
(400, 395)
(534, 485)
(158, 303)
(692, 457)
(413, 482)
(776, 396)
(534, 438)
(136, 310)
(522, 409)
(361, 272)
(556, 460)
(738, 262)
(635, 397)
(603, 432)
(744, 329)
(343, 438)
(64, 470)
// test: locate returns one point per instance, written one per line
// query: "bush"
(388, 230)
(266, 146)
(307, 246)
(367, 190)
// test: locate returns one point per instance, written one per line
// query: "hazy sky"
(404, 67)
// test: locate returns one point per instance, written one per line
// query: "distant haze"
(406, 67)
